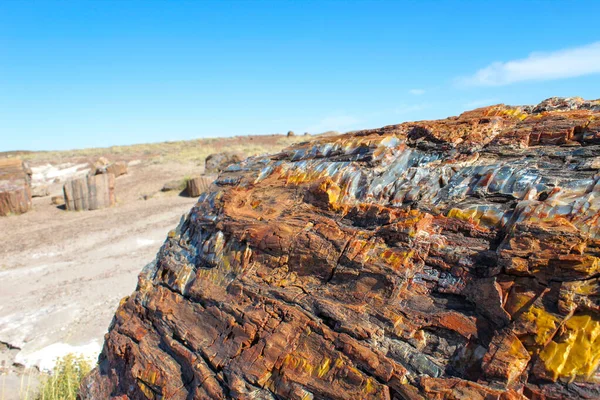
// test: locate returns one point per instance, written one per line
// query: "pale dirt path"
(62, 274)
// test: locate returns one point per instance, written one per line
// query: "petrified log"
(195, 186)
(117, 168)
(15, 187)
(451, 259)
(90, 192)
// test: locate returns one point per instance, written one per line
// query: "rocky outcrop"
(450, 259)
(15, 187)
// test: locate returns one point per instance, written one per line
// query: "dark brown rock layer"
(451, 259)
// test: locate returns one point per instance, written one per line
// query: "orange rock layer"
(450, 259)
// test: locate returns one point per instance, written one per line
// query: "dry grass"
(64, 382)
(194, 151)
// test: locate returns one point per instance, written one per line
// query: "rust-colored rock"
(15, 187)
(451, 259)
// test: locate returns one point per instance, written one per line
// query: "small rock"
(146, 196)
(40, 191)
(290, 134)
(58, 200)
(177, 184)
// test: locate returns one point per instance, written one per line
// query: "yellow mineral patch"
(469, 215)
(545, 323)
(338, 363)
(298, 363)
(146, 390)
(488, 217)
(369, 386)
(324, 367)
(515, 112)
(587, 288)
(306, 396)
(396, 259)
(576, 354)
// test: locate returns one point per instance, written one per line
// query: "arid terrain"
(62, 274)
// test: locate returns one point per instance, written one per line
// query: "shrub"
(63, 383)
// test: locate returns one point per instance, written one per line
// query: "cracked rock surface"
(449, 259)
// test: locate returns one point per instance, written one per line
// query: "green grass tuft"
(63, 383)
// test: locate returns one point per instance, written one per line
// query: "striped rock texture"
(450, 259)
(91, 192)
(15, 187)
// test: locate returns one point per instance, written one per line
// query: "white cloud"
(566, 63)
(417, 92)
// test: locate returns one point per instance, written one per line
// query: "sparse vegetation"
(63, 383)
(181, 151)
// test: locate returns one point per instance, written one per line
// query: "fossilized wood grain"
(440, 259)
(15, 187)
(197, 185)
(90, 192)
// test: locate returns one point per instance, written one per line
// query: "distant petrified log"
(117, 168)
(449, 259)
(15, 187)
(196, 186)
(91, 192)
(217, 162)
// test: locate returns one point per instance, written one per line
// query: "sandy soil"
(62, 274)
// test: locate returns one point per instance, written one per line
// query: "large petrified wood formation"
(451, 259)
(15, 187)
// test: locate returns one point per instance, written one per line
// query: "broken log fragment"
(90, 192)
(102, 166)
(15, 187)
(196, 186)
(117, 168)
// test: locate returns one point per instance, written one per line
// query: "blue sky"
(79, 74)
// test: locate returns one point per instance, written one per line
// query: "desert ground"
(63, 273)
